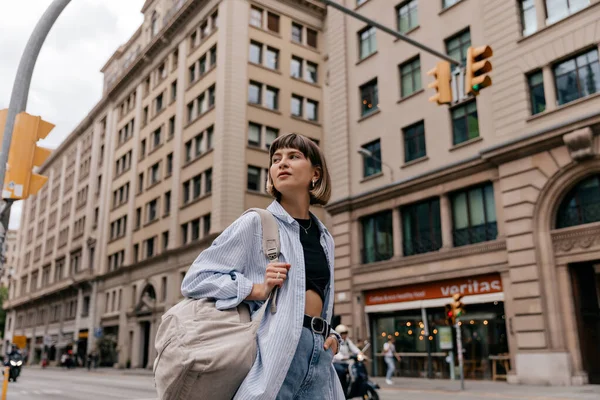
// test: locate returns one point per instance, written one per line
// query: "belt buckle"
(312, 325)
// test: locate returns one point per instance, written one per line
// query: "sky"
(66, 82)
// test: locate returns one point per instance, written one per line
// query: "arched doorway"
(144, 311)
(580, 207)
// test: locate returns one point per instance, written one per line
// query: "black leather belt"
(317, 325)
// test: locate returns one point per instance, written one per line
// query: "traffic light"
(478, 66)
(449, 315)
(441, 72)
(20, 182)
(457, 306)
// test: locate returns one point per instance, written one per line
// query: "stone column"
(446, 217)
(540, 11)
(78, 319)
(91, 342)
(397, 232)
(549, 89)
(569, 323)
(509, 321)
(499, 208)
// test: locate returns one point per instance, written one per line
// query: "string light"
(471, 322)
(397, 334)
(408, 324)
(435, 331)
(430, 337)
(422, 332)
(420, 337)
(410, 331)
(383, 334)
(485, 322)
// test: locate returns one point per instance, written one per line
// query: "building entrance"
(145, 342)
(586, 291)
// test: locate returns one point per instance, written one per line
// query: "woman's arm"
(218, 272)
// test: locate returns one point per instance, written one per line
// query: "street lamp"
(368, 153)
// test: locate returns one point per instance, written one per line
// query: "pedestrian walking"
(389, 353)
(295, 345)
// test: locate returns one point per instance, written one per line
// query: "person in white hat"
(341, 359)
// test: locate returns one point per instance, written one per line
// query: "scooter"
(359, 384)
(15, 362)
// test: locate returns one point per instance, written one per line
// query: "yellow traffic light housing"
(20, 182)
(458, 308)
(478, 66)
(442, 75)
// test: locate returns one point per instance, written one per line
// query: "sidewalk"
(486, 389)
(101, 370)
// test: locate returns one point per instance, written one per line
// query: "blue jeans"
(310, 371)
(391, 367)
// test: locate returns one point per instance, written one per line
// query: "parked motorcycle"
(359, 384)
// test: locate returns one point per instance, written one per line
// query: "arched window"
(581, 205)
(154, 28)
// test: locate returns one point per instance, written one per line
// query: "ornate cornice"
(581, 238)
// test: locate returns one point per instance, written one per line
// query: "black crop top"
(316, 265)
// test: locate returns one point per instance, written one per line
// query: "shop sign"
(436, 290)
(20, 341)
(445, 338)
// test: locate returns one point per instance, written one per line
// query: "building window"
(414, 142)
(254, 131)
(474, 215)
(253, 178)
(297, 105)
(152, 210)
(255, 52)
(559, 9)
(448, 3)
(273, 22)
(581, 205)
(311, 72)
(272, 98)
(465, 124)
(296, 32)
(167, 202)
(256, 17)
(577, 77)
(536, 92)
(208, 181)
(195, 226)
(206, 224)
(372, 162)
(410, 77)
(408, 16)
(169, 166)
(312, 107)
(528, 17)
(254, 93)
(165, 240)
(272, 58)
(150, 249)
(457, 45)
(367, 40)
(172, 126)
(378, 244)
(421, 227)
(296, 67)
(311, 38)
(369, 96)
(270, 136)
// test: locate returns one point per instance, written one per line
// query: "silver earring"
(313, 184)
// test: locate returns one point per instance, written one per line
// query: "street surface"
(107, 384)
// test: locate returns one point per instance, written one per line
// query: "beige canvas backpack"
(205, 353)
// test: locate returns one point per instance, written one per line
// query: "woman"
(295, 344)
(389, 352)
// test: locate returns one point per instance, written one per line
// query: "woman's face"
(291, 172)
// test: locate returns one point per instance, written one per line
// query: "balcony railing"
(475, 234)
(375, 254)
(422, 245)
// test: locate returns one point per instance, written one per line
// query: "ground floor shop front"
(528, 215)
(423, 337)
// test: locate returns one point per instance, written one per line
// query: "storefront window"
(483, 330)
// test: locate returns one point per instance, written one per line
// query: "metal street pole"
(459, 350)
(392, 32)
(20, 93)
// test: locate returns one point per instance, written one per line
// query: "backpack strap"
(270, 243)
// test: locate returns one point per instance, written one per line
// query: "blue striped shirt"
(226, 272)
